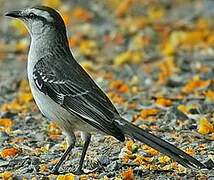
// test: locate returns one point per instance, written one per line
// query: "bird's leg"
(72, 141)
(85, 147)
(66, 153)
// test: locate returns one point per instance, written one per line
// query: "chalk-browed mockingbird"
(64, 92)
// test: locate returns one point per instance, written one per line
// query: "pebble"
(4, 136)
(104, 160)
(9, 115)
(113, 166)
(29, 120)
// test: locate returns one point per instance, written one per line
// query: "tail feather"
(158, 144)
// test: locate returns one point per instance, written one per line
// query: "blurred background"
(141, 42)
(114, 32)
(154, 58)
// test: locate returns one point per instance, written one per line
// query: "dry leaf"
(167, 69)
(7, 152)
(193, 37)
(209, 95)
(210, 40)
(88, 47)
(73, 41)
(54, 131)
(6, 123)
(155, 13)
(43, 168)
(122, 58)
(139, 159)
(52, 3)
(6, 175)
(168, 49)
(68, 176)
(81, 14)
(149, 150)
(24, 86)
(22, 103)
(13, 106)
(164, 159)
(66, 14)
(204, 126)
(131, 146)
(202, 24)
(190, 151)
(116, 98)
(184, 109)
(128, 174)
(123, 7)
(25, 97)
(128, 57)
(148, 112)
(195, 83)
(163, 101)
(120, 86)
(87, 65)
(140, 41)
(45, 149)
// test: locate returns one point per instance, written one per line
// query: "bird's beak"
(15, 14)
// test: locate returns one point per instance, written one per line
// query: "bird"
(66, 93)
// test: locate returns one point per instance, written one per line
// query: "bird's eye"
(31, 15)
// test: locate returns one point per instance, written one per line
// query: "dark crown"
(53, 13)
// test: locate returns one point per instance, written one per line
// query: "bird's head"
(40, 19)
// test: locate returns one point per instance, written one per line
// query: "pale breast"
(49, 108)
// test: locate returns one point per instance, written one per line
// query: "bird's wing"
(70, 86)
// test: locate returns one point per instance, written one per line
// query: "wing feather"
(82, 98)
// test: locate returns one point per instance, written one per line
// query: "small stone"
(29, 120)
(35, 161)
(104, 160)
(7, 115)
(102, 175)
(111, 174)
(28, 169)
(174, 82)
(113, 166)
(4, 136)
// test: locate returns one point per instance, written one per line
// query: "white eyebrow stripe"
(42, 13)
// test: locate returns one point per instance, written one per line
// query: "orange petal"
(9, 152)
(195, 83)
(6, 175)
(163, 101)
(123, 7)
(6, 123)
(204, 126)
(148, 112)
(128, 174)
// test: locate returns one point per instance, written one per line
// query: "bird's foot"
(55, 171)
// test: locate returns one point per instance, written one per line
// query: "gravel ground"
(39, 143)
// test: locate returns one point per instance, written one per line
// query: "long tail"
(157, 143)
